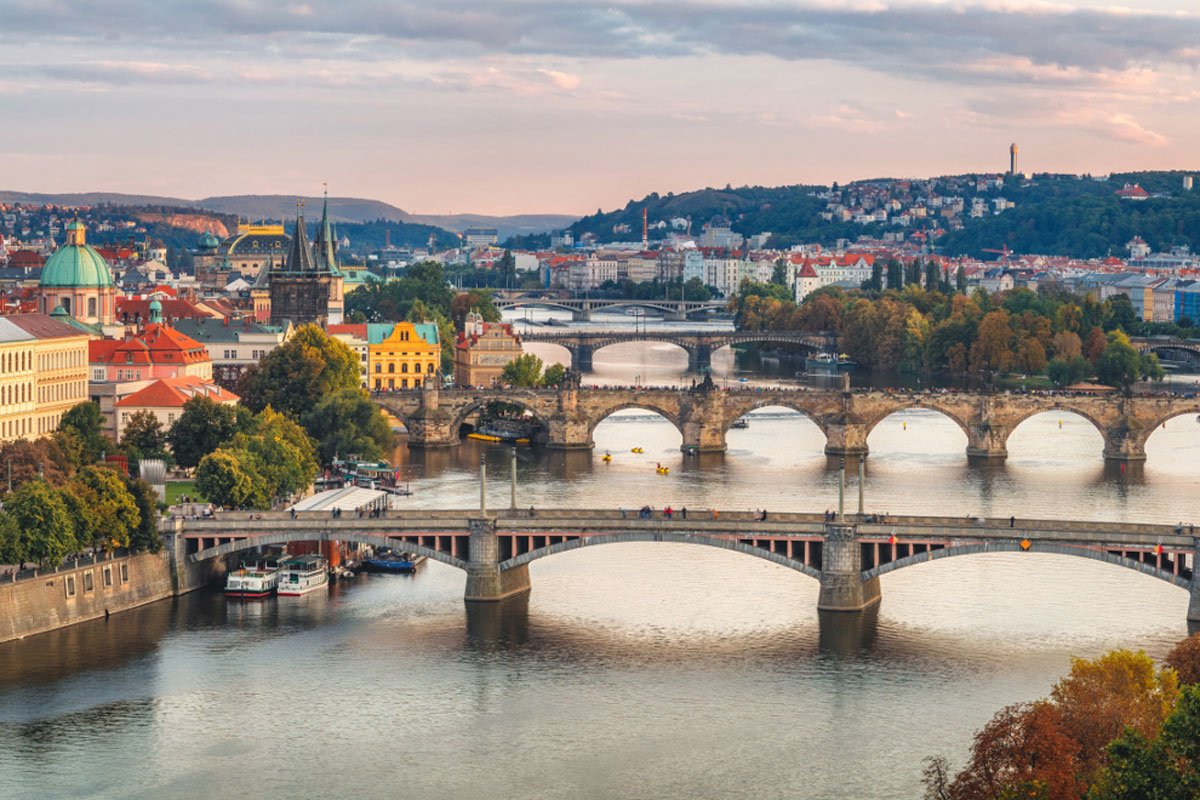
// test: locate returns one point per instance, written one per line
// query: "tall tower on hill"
(1012, 159)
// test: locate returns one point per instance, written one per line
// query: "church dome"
(76, 265)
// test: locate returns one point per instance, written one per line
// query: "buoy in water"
(905, 424)
(1060, 424)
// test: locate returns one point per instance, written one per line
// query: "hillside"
(1067, 215)
(278, 206)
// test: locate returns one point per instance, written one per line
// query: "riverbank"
(50, 600)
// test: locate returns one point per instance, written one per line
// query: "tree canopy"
(294, 377)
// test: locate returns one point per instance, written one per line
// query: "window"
(379, 367)
(404, 367)
(89, 583)
(91, 306)
(378, 384)
(171, 418)
(69, 583)
(404, 383)
(124, 572)
(108, 577)
(391, 367)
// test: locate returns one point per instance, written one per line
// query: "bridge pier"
(700, 358)
(987, 442)
(581, 357)
(485, 582)
(582, 315)
(846, 439)
(842, 584)
(1194, 605)
(1123, 444)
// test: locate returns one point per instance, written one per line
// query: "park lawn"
(177, 488)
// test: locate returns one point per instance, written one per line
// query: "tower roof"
(324, 248)
(76, 264)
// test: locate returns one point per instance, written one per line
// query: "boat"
(607, 457)
(828, 364)
(661, 470)
(302, 574)
(256, 578)
(387, 561)
(504, 429)
(636, 450)
(741, 423)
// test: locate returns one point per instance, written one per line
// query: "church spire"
(300, 255)
(325, 246)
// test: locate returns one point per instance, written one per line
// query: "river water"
(631, 671)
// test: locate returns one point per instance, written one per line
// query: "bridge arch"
(658, 536)
(1059, 406)
(1159, 422)
(1066, 416)
(1036, 547)
(603, 344)
(478, 404)
(807, 414)
(634, 405)
(925, 404)
(287, 537)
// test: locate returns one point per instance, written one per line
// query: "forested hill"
(1069, 215)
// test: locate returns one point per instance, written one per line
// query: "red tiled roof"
(43, 327)
(357, 330)
(174, 392)
(156, 344)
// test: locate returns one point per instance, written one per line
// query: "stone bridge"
(699, 345)
(847, 556)
(1177, 350)
(581, 308)
(704, 414)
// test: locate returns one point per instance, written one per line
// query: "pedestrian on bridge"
(683, 512)
(1012, 522)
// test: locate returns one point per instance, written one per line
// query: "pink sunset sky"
(450, 106)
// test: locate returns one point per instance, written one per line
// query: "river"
(634, 671)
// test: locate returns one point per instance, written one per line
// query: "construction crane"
(1004, 253)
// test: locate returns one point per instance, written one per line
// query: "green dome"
(209, 242)
(76, 265)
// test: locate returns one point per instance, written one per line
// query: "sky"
(538, 106)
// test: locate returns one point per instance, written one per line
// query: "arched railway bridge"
(704, 414)
(699, 345)
(848, 557)
(581, 308)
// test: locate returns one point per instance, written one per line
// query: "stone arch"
(638, 405)
(689, 349)
(659, 536)
(1014, 422)
(477, 404)
(905, 404)
(774, 402)
(375, 540)
(1187, 410)
(533, 302)
(1036, 547)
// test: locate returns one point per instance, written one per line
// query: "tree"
(348, 423)
(12, 548)
(111, 512)
(24, 460)
(875, 282)
(1120, 364)
(278, 455)
(145, 536)
(1184, 658)
(47, 533)
(1100, 698)
(960, 280)
(912, 272)
(523, 371)
(294, 377)
(933, 276)
(224, 479)
(1162, 768)
(145, 437)
(554, 375)
(779, 275)
(86, 422)
(1067, 345)
(1022, 746)
(1120, 313)
(895, 275)
(993, 347)
(203, 426)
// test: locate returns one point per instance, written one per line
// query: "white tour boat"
(257, 577)
(302, 574)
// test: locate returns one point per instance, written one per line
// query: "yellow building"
(403, 356)
(43, 373)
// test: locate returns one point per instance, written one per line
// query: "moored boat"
(302, 574)
(394, 562)
(828, 364)
(256, 578)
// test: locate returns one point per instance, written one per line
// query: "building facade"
(43, 374)
(406, 357)
(483, 350)
(78, 279)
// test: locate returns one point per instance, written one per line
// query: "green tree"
(1162, 768)
(145, 438)
(86, 422)
(1119, 364)
(224, 479)
(278, 454)
(554, 375)
(145, 536)
(294, 377)
(348, 423)
(895, 275)
(875, 282)
(960, 280)
(47, 532)
(111, 512)
(203, 426)
(933, 276)
(12, 546)
(523, 371)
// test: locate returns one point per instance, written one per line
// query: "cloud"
(122, 73)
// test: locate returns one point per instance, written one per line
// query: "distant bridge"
(848, 557)
(1186, 351)
(581, 308)
(704, 414)
(700, 345)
